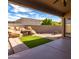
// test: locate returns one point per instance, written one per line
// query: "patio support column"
(63, 27)
(10, 44)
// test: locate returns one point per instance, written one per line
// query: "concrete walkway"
(17, 45)
(50, 36)
(58, 49)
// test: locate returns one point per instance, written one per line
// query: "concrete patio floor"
(58, 49)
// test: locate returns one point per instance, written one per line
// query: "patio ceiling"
(56, 7)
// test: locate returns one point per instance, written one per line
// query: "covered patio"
(58, 49)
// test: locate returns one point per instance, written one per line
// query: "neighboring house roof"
(26, 21)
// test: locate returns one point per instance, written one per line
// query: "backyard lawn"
(33, 41)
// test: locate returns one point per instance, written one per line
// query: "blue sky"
(16, 12)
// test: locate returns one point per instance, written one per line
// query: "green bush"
(47, 22)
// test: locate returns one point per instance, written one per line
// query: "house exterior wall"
(68, 24)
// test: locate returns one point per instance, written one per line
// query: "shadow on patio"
(57, 49)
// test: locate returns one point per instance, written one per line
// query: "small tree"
(47, 22)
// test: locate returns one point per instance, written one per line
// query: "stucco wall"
(46, 29)
(43, 28)
(68, 22)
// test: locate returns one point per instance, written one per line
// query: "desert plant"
(47, 22)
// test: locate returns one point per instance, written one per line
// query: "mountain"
(26, 21)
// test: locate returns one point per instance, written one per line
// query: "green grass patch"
(33, 41)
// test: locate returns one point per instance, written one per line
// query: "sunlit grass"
(33, 41)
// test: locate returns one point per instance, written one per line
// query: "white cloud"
(35, 15)
(40, 18)
(32, 13)
(12, 18)
(17, 16)
(59, 20)
(20, 9)
(21, 15)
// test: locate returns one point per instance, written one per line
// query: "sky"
(16, 12)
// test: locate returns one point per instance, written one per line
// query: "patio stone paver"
(17, 45)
